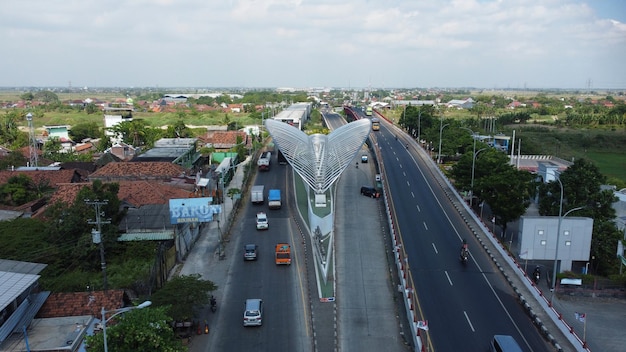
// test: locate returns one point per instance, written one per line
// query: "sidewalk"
(205, 259)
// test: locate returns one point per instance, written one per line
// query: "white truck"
(264, 161)
(256, 194)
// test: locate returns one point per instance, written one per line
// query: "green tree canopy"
(148, 329)
(581, 188)
(84, 130)
(182, 294)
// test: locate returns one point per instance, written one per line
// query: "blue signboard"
(193, 210)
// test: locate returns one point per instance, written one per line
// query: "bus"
(375, 124)
(368, 111)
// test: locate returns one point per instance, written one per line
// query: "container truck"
(273, 199)
(256, 194)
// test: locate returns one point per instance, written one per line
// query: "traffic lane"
(445, 256)
(364, 297)
(451, 244)
(283, 323)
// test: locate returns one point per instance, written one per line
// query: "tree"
(28, 96)
(14, 159)
(84, 130)
(581, 188)
(182, 294)
(506, 189)
(9, 130)
(52, 148)
(91, 108)
(21, 189)
(147, 329)
(47, 96)
(178, 130)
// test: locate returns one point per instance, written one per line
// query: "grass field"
(610, 164)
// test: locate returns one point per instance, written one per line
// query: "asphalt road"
(464, 305)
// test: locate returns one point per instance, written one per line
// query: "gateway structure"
(319, 160)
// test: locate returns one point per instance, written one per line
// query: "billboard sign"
(193, 210)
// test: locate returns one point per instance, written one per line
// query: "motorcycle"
(536, 275)
(464, 256)
(213, 304)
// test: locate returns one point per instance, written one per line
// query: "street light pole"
(558, 236)
(419, 126)
(473, 165)
(441, 127)
(473, 171)
(117, 312)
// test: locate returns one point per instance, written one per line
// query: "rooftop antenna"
(32, 145)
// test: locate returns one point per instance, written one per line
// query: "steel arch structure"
(319, 159)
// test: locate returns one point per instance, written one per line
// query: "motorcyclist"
(464, 250)
(213, 303)
(536, 274)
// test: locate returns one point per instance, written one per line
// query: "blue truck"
(273, 199)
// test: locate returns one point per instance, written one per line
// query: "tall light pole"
(474, 155)
(419, 126)
(32, 141)
(558, 236)
(473, 164)
(117, 312)
(441, 127)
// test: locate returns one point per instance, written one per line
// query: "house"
(20, 300)
(128, 171)
(224, 140)
(113, 117)
(44, 177)
(461, 104)
(180, 151)
(122, 150)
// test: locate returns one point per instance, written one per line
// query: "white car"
(261, 221)
(363, 158)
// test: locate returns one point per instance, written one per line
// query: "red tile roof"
(67, 304)
(54, 177)
(137, 171)
(137, 193)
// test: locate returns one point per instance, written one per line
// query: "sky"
(377, 44)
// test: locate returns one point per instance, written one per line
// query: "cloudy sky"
(314, 43)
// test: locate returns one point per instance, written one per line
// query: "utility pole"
(96, 234)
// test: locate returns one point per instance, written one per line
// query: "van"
(253, 312)
(504, 343)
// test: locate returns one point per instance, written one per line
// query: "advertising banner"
(193, 210)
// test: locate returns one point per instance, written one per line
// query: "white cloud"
(263, 43)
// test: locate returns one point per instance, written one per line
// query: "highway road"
(285, 319)
(465, 305)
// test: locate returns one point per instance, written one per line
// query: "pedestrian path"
(212, 263)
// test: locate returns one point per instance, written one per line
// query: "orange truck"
(283, 254)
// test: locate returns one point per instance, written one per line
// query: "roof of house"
(53, 177)
(223, 139)
(137, 170)
(64, 304)
(134, 193)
